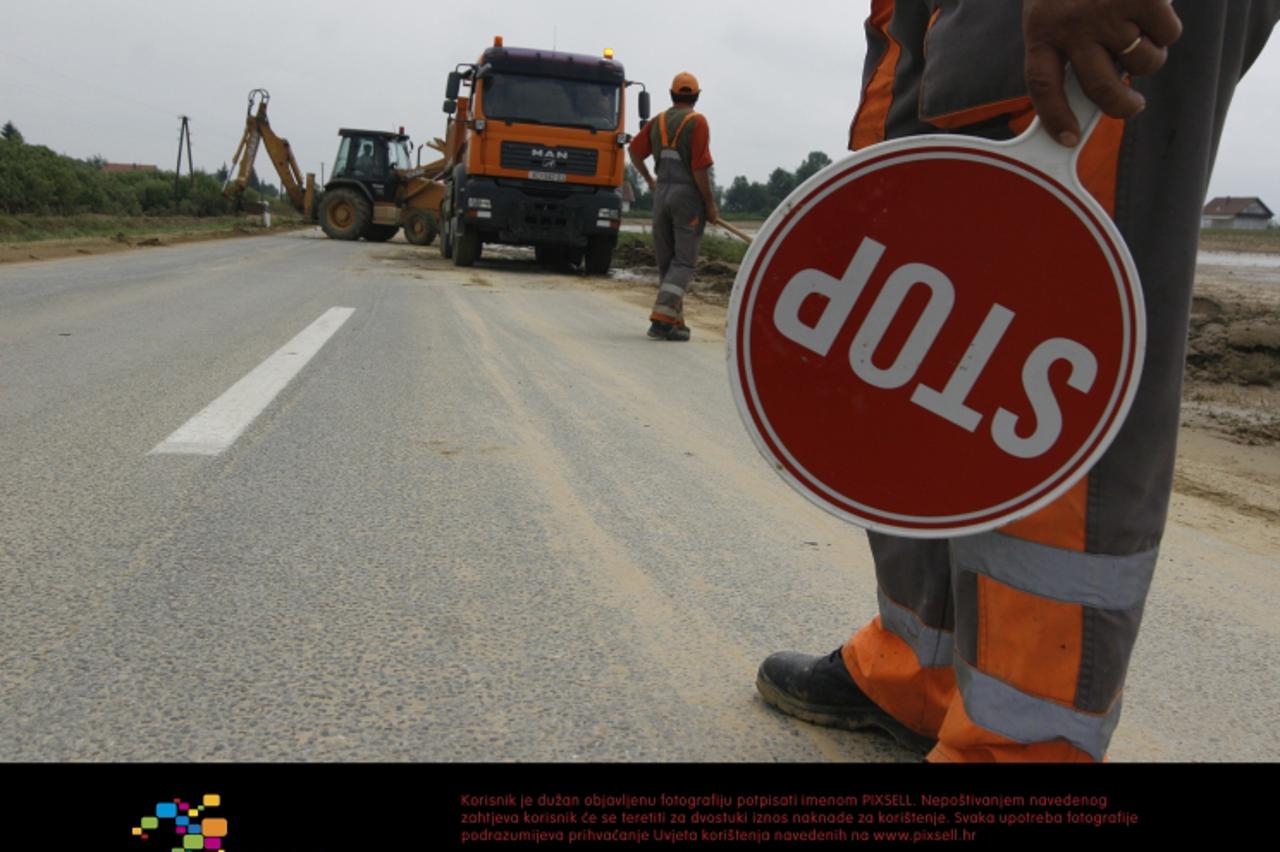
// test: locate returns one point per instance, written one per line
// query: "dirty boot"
(666, 331)
(820, 690)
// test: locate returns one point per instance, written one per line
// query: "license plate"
(556, 176)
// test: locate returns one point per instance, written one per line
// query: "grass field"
(712, 247)
(22, 229)
(1267, 242)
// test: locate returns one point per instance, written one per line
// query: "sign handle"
(1037, 148)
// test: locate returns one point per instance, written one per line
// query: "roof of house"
(1228, 206)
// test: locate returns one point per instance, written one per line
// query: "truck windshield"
(548, 100)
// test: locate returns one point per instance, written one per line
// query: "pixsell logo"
(184, 825)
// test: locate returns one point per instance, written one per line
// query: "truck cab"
(536, 152)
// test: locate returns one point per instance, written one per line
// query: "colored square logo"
(182, 820)
(136, 831)
(182, 806)
(212, 800)
(193, 812)
(214, 827)
(166, 809)
(213, 843)
(150, 822)
(179, 829)
(193, 841)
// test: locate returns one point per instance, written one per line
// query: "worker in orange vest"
(679, 140)
(1013, 645)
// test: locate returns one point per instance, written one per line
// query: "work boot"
(666, 331)
(659, 330)
(821, 690)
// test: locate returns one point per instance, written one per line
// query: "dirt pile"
(1233, 342)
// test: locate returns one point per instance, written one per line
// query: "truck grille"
(526, 156)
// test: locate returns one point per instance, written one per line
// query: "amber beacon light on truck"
(535, 150)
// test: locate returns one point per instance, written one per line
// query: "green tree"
(781, 182)
(815, 162)
(11, 133)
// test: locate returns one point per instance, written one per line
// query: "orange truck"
(534, 155)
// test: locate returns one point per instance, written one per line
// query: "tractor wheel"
(599, 255)
(466, 246)
(344, 214)
(420, 228)
(380, 233)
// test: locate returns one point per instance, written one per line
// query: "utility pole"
(322, 172)
(184, 134)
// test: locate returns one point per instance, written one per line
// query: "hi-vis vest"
(673, 146)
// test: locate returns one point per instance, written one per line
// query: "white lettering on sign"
(1035, 381)
(941, 297)
(949, 403)
(840, 294)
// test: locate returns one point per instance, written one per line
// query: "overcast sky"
(88, 77)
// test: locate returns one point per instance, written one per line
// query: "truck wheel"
(446, 239)
(344, 214)
(466, 246)
(599, 255)
(380, 233)
(420, 228)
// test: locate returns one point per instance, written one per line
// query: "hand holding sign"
(938, 335)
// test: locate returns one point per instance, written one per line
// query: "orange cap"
(685, 84)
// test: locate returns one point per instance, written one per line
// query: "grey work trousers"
(1035, 624)
(678, 222)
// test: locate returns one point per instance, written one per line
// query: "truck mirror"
(450, 106)
(644, 106)
(455, 83)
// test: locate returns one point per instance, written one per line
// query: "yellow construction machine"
(372, 192)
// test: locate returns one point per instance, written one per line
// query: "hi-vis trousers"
(678, 223)
(1014, 644)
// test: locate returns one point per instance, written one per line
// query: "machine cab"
(370, 157)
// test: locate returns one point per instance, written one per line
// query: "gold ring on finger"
(1132, 47)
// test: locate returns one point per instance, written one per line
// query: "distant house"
(128, 167)
(1241, 213)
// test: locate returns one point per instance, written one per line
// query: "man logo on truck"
(551, 154)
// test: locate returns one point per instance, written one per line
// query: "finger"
(1146, 58)
(1159, 22)
(1044, 76)
(1102, 84)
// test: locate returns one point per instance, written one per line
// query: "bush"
(36, 180)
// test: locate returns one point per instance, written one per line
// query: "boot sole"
(842, 717)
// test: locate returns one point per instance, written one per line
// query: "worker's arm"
(702, 177)
(1093, 35)
(640, 149)
(702, 164)
(643, 169)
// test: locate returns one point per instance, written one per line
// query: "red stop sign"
(934, 337)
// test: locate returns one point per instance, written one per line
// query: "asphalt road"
(487, 520)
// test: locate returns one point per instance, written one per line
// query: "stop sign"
(939, 335)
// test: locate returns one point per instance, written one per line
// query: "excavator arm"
(257, 131)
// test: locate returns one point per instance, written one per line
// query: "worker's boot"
(821, 690)
(666, 331)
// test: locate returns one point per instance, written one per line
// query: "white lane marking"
(225, 419)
